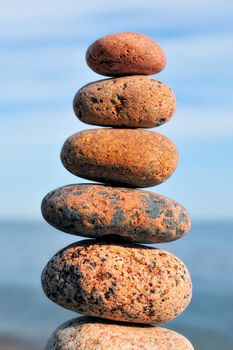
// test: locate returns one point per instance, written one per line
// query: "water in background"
(25, 313)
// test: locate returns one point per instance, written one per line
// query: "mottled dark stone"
(100, 210)
(118, 216)
(153, 207)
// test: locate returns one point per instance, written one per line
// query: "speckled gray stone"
(118, 281)
(87, 333)
(93, 210)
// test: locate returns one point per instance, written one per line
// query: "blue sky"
(42, 47)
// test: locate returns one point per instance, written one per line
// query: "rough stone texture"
(118, 281)
(125, 54)
(86, 333)
(134, 101)
(133, 157)
(96, 210)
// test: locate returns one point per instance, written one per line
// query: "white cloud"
(201, 63)
(196, 123)
(53, 18)
(28, 10)
(41, 73)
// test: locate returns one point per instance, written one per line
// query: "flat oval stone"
(86, 333)
(96, 210)
(125, 54)
(134, 101)
(138, 158)
(118, 281)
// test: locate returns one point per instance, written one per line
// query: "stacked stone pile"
(121, 286)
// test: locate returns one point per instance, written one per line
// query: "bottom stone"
(86, 333)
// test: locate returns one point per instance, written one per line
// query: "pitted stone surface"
(134, 101)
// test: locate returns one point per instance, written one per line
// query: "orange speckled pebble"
(86, 333)
(118, 281)
(135, 101)
(125, 54)
(93, 210)
(138, 158)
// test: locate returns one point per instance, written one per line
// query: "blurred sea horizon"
(28, 317)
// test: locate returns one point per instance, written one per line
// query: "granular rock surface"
(93, 210)
(86, 333)
(133, 157)
(118, 281)
(125, 54)
(134, 101)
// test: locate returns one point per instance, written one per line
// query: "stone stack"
(121, 286)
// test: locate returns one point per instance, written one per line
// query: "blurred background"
(42, 65)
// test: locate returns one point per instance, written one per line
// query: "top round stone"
(125, 54)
